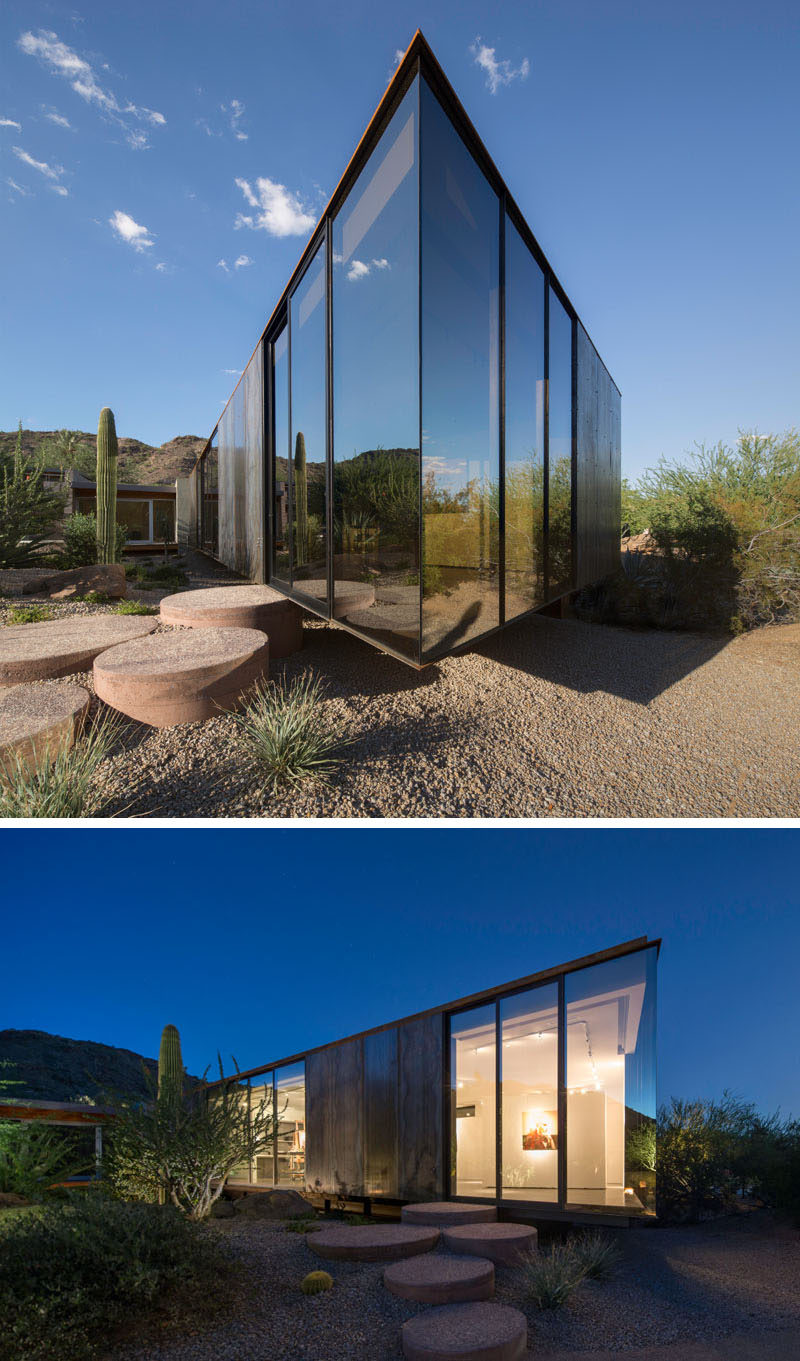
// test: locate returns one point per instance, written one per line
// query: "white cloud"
(26, 193)
(497, 72)
(59, 119)
(132, 232)
(223, 264)
(242, 261)
(9, 123)
(63, 61)
(281, 213)
(59, 189)
(161, 268)
(235, 112)
(50, 172)
(233, 372)
(359, 269)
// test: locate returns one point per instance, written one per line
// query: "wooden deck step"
(439, 1278)
(477, 1332)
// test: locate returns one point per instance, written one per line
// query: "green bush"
(65, 787)
(28, 510)
(135, 607)
(33, 1156)
(29, 614)
(80, 1269)
(80, 539)
(548, 1277)
(282, 729)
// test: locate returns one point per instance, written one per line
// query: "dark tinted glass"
(280, 453)
(524, 357)
(376, 391)
(308, 443)
(460, 386)
(611, 1083)
(559, 547)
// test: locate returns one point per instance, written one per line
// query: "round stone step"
(35, 719)
(59, 647)
(372, 1242)
(246, 607)
(447, 1213)
(499, 1242)
(347, 595)
(183, 677)
(400, 620)
(438, 1278)
(480, 1332)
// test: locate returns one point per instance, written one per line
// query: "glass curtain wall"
(473, 1080)
(308, 500)
(290, 1124)
(210, 514)
(524, 427)
(262, 1100)
(460, 260)
(529, 1094)
(375, 311)
(611, 1092)
(241, 1092)
(559, 539)
(281, 526)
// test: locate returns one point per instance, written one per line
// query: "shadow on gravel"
(634, 665)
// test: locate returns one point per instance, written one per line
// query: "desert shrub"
(135, 607)
(548, 1277)
(29, 511)
(80, 540)
(34, 1156)
(166, 575)
(66, 787)
(78, 1269)
(29, 614)
(283, 730)
(598, 1254)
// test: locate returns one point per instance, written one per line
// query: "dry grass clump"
(283, 730)
(64, 786)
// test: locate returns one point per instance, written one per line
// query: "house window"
(135, 516)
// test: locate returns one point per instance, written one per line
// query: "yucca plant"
(597, 1253)
(283, 730)
(64, 785)
(549, 1278)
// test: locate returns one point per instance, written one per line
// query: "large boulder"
(105, 578)
(275, 1205)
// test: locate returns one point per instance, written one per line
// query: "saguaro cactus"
(300, 500)
(106, 487)
(170, 1065)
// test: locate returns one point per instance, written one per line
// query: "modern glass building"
(425, 444)
(538, 1097)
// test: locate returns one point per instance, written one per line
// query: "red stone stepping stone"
(438, 1278)
(35, 719)
(182, 677)
(401, 620)
(479, 1332)
(447, 1213)
(499, 1242)
(60, 647)
(373, 1242)
(246, 607)
(347, 595)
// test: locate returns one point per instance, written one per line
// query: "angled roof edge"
(419, 50)
(627, 947)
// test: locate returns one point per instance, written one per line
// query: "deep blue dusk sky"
(652, 147)
(264, 942)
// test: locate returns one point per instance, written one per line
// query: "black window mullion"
(501, 509)
(546, 458)
(498, 1119)
(329, 412)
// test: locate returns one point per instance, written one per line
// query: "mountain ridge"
(138, 462)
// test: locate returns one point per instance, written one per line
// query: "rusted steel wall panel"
(420, 1105)
(335, 1134)
(380, 1113)
(598, 485)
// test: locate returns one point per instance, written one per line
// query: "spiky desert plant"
(300, 500)
(284, 731)
(62, 784)
(598, 1254)
(170, 1066)
(315, 1282)
(549, 1278)
(107, 453)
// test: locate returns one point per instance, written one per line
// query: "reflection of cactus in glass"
(170, 1065)
(106, 487)
(300, 500)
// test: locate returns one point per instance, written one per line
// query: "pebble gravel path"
(550, 719)
(732, 1278)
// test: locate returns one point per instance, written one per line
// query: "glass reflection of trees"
(375, 250)
(559, 542)
(524, 427)
(280, 466)
(308, 408)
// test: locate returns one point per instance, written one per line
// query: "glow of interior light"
(628, 1191)
(481, 1048)
(461, 1084)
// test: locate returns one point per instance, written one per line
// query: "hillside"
(138, 462)
(51, 1068)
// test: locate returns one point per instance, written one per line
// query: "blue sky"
(653, 149)
(263, 943)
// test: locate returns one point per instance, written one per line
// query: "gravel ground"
(733, 1277)
(553, 718)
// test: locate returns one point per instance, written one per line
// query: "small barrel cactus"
(315, 1282)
